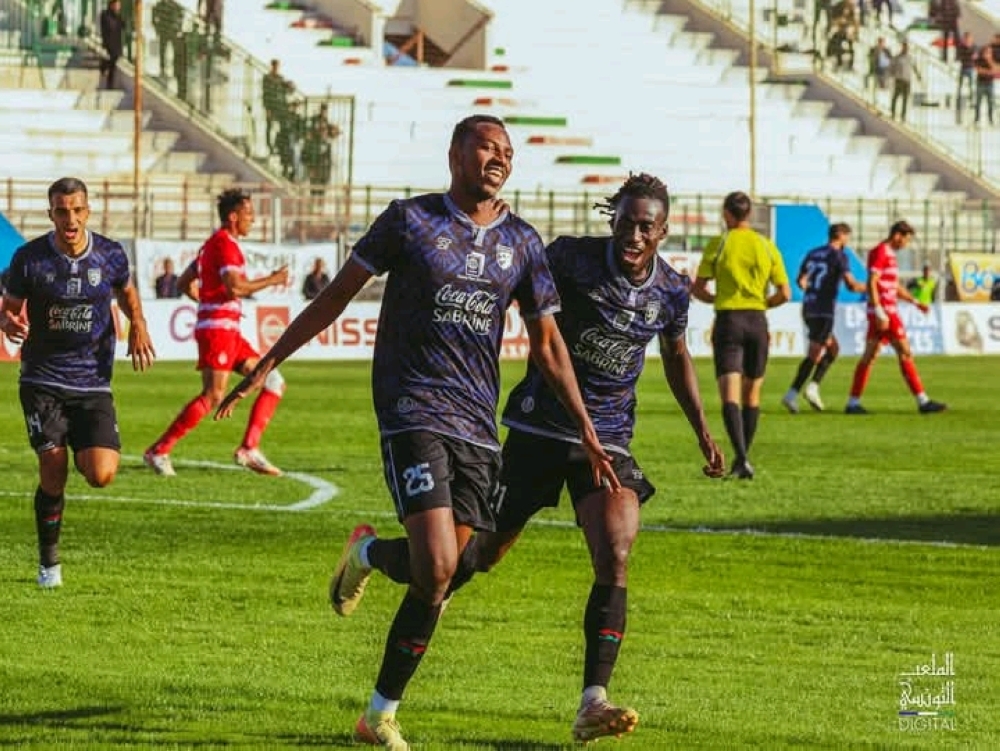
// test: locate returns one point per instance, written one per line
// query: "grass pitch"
(778, 613)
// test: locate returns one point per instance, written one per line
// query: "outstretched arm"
(680, 374)
(319, 314)
(548, 350)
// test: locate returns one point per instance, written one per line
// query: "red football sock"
(909, 370)
(260, 416)
(861, 373)
(184, 423)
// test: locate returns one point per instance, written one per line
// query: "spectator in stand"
(275, 90)
(821, 7)
(166, 283)
(965, 53)
(987, 71)
(903, 72)
(111, 40)
(211, 12)
(945, 15)
(168, 21)
(879, 61)
(878, 5)
(315, 280)
(845, 31)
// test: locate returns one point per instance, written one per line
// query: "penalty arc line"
(322, 492)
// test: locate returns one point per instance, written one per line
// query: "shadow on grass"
(958, 529)
(57, 717)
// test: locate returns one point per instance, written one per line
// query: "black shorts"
(820, 328)
(740, 342)
(59, 417)
(535, 468)
(427, 470)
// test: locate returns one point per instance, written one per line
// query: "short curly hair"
(641, 185)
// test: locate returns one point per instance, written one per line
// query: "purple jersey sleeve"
(379, 250)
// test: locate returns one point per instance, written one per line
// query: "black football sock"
(805, 368)
(824, 365)
(409, 635)
(466, 566)
(603, 630)
(48, 523)
(750, 415)
(734, 427)
(391, 557)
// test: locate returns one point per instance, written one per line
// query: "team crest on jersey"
(623, 319)
(505, 256)
(94, 277)
(49, 278)
(442, 243)
(652, 311)
(474, 265)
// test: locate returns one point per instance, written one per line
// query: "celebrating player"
(820, 275)
(617, 295)
(220, 271)
(68, 279)
(884, 324)
(455, 262)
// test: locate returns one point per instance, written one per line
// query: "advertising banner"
(261, 260)
(974, 275)
(788, 337)
(922, 329)
(971, 329)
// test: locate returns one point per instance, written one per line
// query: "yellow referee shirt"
(742, 262)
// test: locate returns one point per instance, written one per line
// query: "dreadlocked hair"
(642, 185)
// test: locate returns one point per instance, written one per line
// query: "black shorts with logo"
(820, 328)
(59, 417)
(535, 468)
(740, 342)
(426, 470)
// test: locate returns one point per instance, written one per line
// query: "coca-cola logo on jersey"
(475, 309)
(606, 352)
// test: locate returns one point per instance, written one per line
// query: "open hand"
(244, 388)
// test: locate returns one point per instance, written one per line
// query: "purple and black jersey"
(450, 282)
(824, 268)
(607, 323)
(71, 339)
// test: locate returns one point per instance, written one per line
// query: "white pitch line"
(323, 491)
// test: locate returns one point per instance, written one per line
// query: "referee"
(743, 264)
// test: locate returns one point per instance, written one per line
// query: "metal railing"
(186, 211)
(796, 26)
(304, 141)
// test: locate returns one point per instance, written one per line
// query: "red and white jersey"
(882, 261)
(217, 308)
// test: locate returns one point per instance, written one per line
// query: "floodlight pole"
(753, 100)
(137, 119)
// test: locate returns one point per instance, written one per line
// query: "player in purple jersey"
(820, 275)
(455, 263)
(617, 295)
(58, 307)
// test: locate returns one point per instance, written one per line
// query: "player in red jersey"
(220, 273)
(884, 324)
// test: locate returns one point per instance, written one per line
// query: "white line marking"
(323, 491)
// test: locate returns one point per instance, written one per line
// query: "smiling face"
(481, 162)
(638, 228)
(69, 213)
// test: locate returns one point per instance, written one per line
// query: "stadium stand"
(648, 90)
